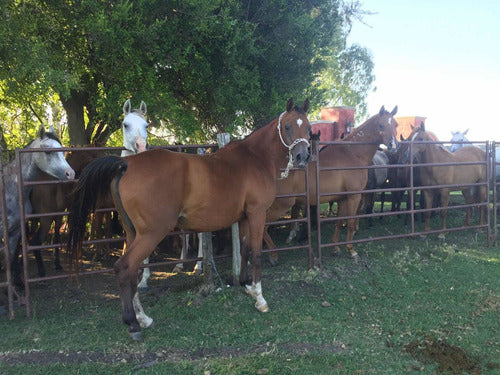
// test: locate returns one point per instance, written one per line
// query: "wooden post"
(222, 140)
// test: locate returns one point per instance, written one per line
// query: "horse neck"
(265, 142)
(29, 169)
(369, 138)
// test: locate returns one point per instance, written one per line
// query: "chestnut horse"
(378, 129)
(159, 190)
(432, 175)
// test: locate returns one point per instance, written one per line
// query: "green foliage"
(202, 67)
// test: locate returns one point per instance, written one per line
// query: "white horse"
(459, 140)
(32, 163)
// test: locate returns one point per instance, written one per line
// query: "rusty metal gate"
(314, 253)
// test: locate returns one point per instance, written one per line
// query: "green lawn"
(408, 306)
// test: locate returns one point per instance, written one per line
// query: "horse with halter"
(32, 164)
(358, 151)
(159, 190)
(435, 175)
(55, 198)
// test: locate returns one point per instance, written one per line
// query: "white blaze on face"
(389, 121)
(299, 122)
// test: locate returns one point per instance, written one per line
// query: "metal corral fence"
(314, 253)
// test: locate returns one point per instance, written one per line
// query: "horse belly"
(209, 219)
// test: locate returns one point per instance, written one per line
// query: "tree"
(202, 67)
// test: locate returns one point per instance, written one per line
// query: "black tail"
(94, 181)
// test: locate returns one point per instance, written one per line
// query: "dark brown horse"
(54, 198)
(460, 175)
(159, 190)
(378, 129)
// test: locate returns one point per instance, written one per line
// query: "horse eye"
(381, 126)
(125, 126)
(288, 127)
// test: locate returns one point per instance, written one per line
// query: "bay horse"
(432, 175)
(378, 129)
(55, 198)
(159, 190)
(32, 164)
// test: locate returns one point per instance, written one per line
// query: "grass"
(381, 315)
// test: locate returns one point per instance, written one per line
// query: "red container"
(334, 123)
(406, 125)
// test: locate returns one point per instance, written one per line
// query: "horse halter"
(289, 147)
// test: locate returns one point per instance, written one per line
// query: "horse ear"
(465, 132)
(382, 111)
(394, 111)
(41, 131)
(289, 105)
(143, 108)
(51, 129)
(305, 105)
(127, 107)
(422, 126)
(401, 137)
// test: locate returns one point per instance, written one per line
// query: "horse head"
(134, 129)
(387, 127)
(458, 137)
(51, 162)
(294, 131)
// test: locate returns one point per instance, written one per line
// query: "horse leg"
(428, 195)
(294, 214)
(445, 193)
(369, 201)
(179, 267)
(467, 193)
(256, 225)
(273, 256)
(480, 197)
(146, 274)
(36, 240)
(352, 204)
(57, 240)
(338, 226)
(244, 248)
(126, 270)
(198, 268)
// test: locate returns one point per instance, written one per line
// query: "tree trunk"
(74, 107)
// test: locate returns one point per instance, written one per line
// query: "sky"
(439, 59)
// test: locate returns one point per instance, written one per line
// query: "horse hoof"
(354, 255)
(177, 269)
(273, 261)
(262, 308)
(198, 271)
(148, 323)
(136, 336)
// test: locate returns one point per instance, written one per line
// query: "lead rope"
(289, 166)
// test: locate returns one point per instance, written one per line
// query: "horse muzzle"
(301, 156)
